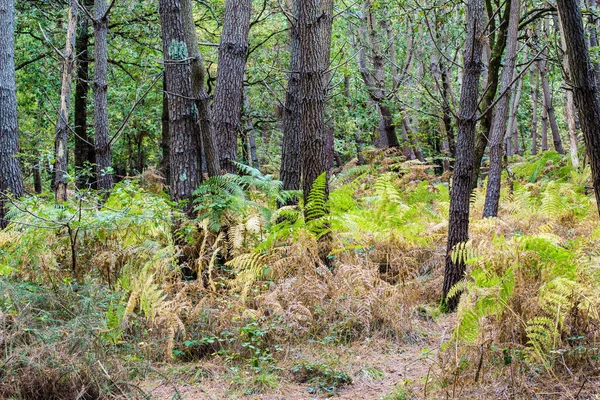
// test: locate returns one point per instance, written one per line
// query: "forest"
(299, 199)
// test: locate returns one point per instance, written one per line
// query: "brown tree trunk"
(375, 79)
(460, 192)
(186, 169)
(499, 44)
(230, 78)
(498, 129)
(205, 126)
(84, 148)
(312, 94)
(290, 148)
(583, 82)
(104, 177)
(11, 178)
(62, 126)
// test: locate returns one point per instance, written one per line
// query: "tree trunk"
(543, 65)
(375, 79)
(512, 134)
(442, 82)
(290, 149)
(62, 126)
(230, 78)
(460, 193)
(498, 129)
(250, 134)
(104, 176)
(186, 169)
(11, 178)
(535, 89)
(206, 131)
(583, 82)
(569, 102)
(499, 44)
(84, 148)
(312, 94)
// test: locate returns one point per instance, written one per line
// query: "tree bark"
(498, 129)
(104, 177)
(312, 94)
(499, 44)
(11, 178)
(375, 79)
(205, 126)
(62, 126)
(543, 65)
(165, 145)
(460, 192)
(186, 169)
(84, 148)
(583, 82)
(230, 78)
(290, 149)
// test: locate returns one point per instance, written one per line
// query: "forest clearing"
(299, 199)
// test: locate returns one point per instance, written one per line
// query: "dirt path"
(377, 368)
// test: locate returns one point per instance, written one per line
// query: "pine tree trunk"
(230, 78)
(312, 94)
(583, 82)
(499, 44)
(165, 141)
(104, 176)
(460, 192)
(498, 129)
(84, 148)
(186, 169)
(62, 126)
(290, 149)
(11, 178)
(205, 126)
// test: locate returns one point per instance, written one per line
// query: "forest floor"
(378, 368)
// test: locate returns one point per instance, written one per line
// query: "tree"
(11, 180)
(84, 144)
(498, 130)
(207, 135)
(312, 93)
(290, 147)
(103, 147)
(184, 157)
(62, 126)
(227, 104)
(583, 83)
(375, 78)
(458, 225)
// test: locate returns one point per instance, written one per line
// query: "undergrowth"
(93, 295)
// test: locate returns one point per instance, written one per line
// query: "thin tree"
(498, 130)
(583, 83)
(184, 159)
(62, 126)
(11, 179)
(227, 104)
(458, 225)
